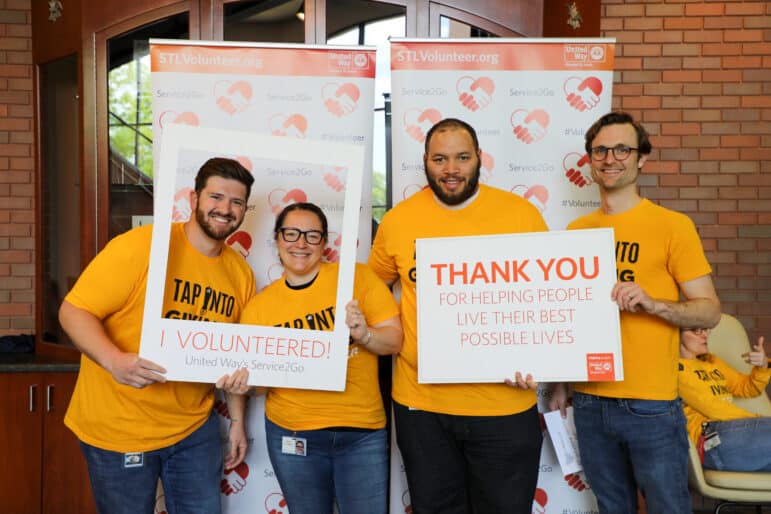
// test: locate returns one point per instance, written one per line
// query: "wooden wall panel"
(558, 12)
(524, 17)
(55, 39)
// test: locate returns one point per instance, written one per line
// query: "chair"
(728, 341)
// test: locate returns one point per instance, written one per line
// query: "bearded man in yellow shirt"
(133, 425)
(466, 447)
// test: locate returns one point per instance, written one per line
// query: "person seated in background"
(729, 437)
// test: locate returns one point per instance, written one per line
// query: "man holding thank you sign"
(462, 444)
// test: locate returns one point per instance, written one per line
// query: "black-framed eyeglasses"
(292, 234)
(620, 152)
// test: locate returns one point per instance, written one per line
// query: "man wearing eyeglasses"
(631, 433)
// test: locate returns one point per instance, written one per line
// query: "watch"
(364, 341)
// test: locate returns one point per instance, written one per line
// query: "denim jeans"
(469, 464)
(349, 468)
(627, 444)
(190, 471)
(745, 445)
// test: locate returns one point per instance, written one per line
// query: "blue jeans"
(125, 483)
(745, 445)
(627, 444)
(342, 466)
(469, 464)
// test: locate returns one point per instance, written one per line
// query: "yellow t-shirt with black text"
(658, 249)
(121, 418)
(708, 386)
(313, 307)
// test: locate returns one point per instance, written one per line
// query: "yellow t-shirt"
(360, 404)
(708, 386)
(659, 249)
(393, 257)
(121, 418)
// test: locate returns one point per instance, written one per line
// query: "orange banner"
(262, 61)
(433, 55)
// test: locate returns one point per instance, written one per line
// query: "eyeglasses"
(292, 234)
(700, 331)
(620, 152)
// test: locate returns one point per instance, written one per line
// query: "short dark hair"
(301, 206)
(225, 168)
(452, 124)
(644, 146)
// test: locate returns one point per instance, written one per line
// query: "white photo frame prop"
(538, 303)
(197, 351)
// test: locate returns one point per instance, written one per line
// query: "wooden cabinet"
(42, 470)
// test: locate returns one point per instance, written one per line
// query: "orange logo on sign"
(599, 367)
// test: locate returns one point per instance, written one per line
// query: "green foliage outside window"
(130, 105)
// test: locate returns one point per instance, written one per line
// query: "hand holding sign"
(235, 383)
(131, 369)
(631, 297)
(525, 382)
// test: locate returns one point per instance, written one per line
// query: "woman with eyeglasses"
(326, 447)
(728, 437)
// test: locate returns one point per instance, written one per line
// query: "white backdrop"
(530, 101)
(318, 93)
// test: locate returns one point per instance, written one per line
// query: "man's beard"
(459, 197)
(211, 231)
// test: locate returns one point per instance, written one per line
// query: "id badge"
(133, 460)
(711, 441)
(294, 445)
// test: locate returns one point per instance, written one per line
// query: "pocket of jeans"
(649, 408)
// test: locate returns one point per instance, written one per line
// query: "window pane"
(130, 120)
(347, 37)
(350, 22)
(449, 28)
(59, 146)
(264, 21)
